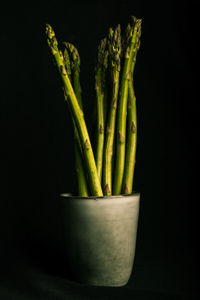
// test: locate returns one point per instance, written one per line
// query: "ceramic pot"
(100, 237)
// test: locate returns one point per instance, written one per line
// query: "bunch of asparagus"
(110, 170)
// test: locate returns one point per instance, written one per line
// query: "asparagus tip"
(75, 63)
(49, 31)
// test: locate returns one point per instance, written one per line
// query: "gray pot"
(100, 236)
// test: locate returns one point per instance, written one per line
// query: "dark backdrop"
(37, 156)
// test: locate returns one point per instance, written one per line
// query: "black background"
(37, 157)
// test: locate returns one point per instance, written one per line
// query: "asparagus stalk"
(81, 178)
(100, 73)
(77, 114)
(132, 128)
(122, 108)
(131, 142)
(75, 67)
(114, 55)
(82, 182)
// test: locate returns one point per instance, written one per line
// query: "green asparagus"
(111, 170)
(100, 94)
(77, 114)
(114, 62)
(73, 70)
(122, 109)
(132, 128)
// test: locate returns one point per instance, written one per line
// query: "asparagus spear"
(122, 109)
(74, 64)
(75, 67)
(131, 142)
(77, 114)
(81, 177)
(132, 128)
(100, 73)
(114, 55)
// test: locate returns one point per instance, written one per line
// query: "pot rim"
(70, 196)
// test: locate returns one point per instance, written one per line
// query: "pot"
(100, 237)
